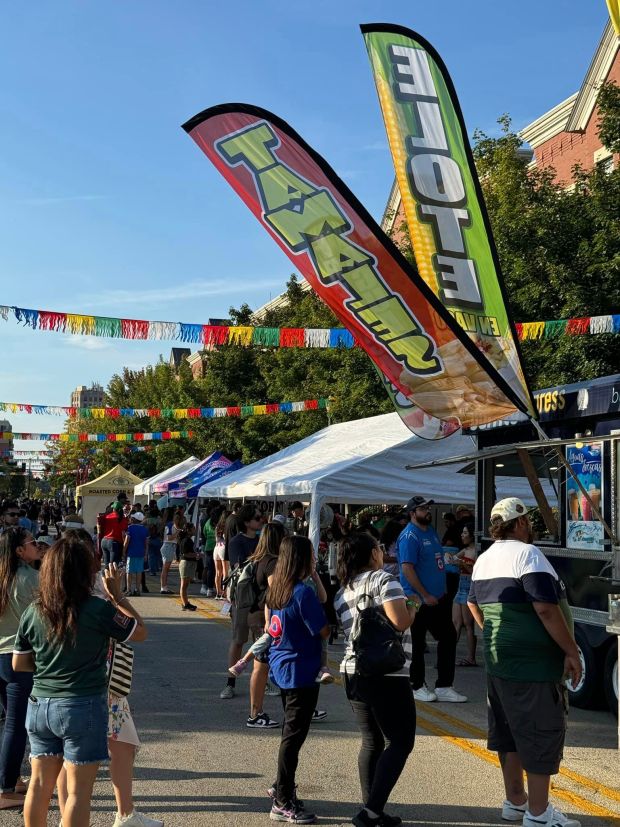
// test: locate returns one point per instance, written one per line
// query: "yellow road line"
(573, 799)
(590, 783)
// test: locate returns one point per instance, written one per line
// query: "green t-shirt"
(23, 589)
(507, 579)
(74, 669)
(208, 533)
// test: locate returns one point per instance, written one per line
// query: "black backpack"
(376, 643)
(244, 590)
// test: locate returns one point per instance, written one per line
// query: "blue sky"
(108, 208)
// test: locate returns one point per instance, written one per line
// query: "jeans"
(154, 560)
(299, 706)
(112, 551)
(208, 573)
(385, 712)
(438, 621)
(15, 687)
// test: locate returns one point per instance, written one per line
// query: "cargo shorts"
(528, 718)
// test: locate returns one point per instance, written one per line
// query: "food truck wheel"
(610, 677)
(586, 695)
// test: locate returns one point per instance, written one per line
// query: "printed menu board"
(583, 530)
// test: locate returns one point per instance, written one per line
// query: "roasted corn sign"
(441, 196)
(352, 265)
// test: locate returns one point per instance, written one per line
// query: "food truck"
(582, 422)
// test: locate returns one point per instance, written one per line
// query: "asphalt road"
(200, 765)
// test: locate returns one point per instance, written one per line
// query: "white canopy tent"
(143, 491)
(362, 461)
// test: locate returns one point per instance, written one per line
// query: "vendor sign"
(352, 265)
(441, 196)
(583, 530)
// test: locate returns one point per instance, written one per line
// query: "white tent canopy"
(362, 461)
(144, 490)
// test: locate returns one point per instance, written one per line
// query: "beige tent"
(98, 493)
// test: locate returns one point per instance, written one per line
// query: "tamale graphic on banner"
(441, 196)
(352, 265)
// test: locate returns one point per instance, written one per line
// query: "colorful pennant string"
(167, 413)
(215, 335)
(138, 437)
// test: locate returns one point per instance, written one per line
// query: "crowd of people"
(66, 620)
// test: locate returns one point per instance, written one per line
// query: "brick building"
(567, 134)
(562, 137)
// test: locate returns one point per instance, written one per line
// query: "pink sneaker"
(238, 668)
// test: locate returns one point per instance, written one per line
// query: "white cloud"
(87, 342)
(182, 291)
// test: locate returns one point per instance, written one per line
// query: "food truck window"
(534, 476)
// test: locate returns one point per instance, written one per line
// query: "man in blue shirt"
(423, 577)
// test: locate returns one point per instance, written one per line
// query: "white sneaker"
(449, 695)
(204, 591)
(227, 693)
(136, 819)
(550, 818)
(513, 812)
(424, 694)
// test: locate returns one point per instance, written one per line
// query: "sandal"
(10, 800)
(467, 662)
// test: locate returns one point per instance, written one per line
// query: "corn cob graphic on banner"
(441, 196)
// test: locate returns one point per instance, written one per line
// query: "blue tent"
(212, 468)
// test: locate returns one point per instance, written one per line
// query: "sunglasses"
(11, 513)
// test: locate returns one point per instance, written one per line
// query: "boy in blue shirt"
(135, 550)
(423, 577)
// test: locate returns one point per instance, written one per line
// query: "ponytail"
(354, 555)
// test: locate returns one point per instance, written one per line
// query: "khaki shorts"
(529, 719)
(187, 569)
(243, 622)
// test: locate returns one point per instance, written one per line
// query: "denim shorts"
(73, 728)
(168, 552)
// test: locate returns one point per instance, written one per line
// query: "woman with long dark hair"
(383, 705)
(64, 637)
(297, 624)
(18, 585)
(173, 523)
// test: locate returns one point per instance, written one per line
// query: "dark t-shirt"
(240, 547)
(264, 570)
(75, 668)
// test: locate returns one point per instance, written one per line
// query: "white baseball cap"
(138, 516)
(509, 509)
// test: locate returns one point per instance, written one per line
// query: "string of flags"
(218, 335)
(167, 413)
(138, 437)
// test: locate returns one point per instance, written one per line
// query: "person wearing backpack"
(240, 547)
(297, 624)
(376, 671)
(261, 566)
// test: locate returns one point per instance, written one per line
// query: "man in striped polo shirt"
(519, 602)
